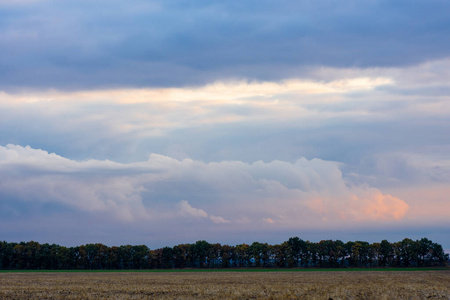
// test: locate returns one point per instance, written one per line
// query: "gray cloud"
(230, 150)
(335, 119)
(80, 44)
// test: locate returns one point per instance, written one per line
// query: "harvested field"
(228, 285)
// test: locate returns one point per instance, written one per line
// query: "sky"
(168, 122)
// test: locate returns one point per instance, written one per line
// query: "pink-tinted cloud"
(283, 193)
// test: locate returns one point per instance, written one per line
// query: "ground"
(227, 285)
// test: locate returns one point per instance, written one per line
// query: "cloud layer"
(175, 120)
(81, 44)
(304, 193)
(354, 116)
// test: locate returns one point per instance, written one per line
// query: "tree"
(242, 255)
(6, 255)
(113, 258)
(340, 253)
(407, 249)
(328, 253)
(260, 253)
(294, 252)
(200, 252)
(139, 257)
(313, 255)
(280, 254)
(167, 258)
(227, 256)
(385, 253)
(374, 254)
(213, 256)
(425, 252)
(180, 255)
(439, 258)
(297, 247)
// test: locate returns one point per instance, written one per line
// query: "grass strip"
(240, 270)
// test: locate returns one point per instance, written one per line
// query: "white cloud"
(185, 208)
(213, 94)
(218, 220)
(33, 175)
(328, 94)
(283, 193)
(127, 124)
(291, 117)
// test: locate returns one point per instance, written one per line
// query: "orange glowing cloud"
(364, 204)
(384, 207)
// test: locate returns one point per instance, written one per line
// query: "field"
(227, 285)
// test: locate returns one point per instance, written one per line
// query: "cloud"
(268, 220)
(188, 200)
(185, 208)
(116, 124)
(347, 115)
(289, 194)
(82, 44)
(218, 220)
(379, 207)
(188, 210)
(30, 175)
(304, 113)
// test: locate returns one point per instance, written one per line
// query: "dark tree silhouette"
(293, 253)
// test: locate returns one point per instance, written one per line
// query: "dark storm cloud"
(80, 44)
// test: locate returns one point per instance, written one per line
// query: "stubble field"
(228, 285)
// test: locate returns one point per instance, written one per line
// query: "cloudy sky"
(166, 122)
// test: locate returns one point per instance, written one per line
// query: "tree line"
(292, 253)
